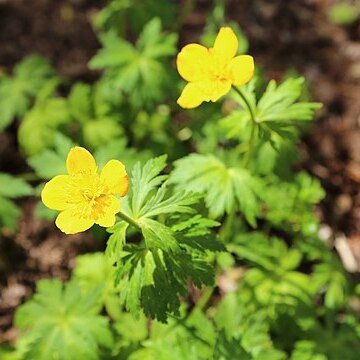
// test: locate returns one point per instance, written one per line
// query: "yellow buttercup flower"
(212, 72)
(85, 197)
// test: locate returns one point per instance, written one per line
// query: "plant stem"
(226, 229)
(253, 126)
(251, 111)
(204, 299)
(129, 220)
(251, 145)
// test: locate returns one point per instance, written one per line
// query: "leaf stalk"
(129, 220)
(253, 125)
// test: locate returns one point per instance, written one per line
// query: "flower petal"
(242, 69)
(226, 45)
(110, 206)
(195, 93)
(219, 89)
(192, 95)
(69, 222)
(193, 62)
(115, 177)
(54, 193)
(80, 160)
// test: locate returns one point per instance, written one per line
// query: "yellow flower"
(211, 72)
(85, 197)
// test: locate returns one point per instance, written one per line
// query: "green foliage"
(137, 70)
(95, 270)
(50, 163)
(154, 273)
(48, 114)
(328, 275)
(274, 278)
(226, 189)
(244, 330)
(17, 91)
(11, 187)
(138, 12)
(90, 107)
(215, 255)
(275, 112)
(289, 204)
(343, 13)
(118, 149)
(67, 327)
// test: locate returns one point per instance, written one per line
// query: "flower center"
(87, 195)
(218, 68)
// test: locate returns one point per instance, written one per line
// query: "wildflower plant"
(205, 247)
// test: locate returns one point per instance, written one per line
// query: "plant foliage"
(215, 253)
(68, 327)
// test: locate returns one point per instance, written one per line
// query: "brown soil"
(282, 34)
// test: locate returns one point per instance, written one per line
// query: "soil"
(282, 35)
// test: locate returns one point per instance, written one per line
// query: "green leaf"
(144, 180)
(61, 320)
(343, 13)
(16, 92)
(279, 102)
(226, 349)
(273, 275)
(137, 12)
(289, 204)
(306, 350)
(155, 44)
(157, 279)
(118, 149)
(91, 108)
(80, 102)
(100, 131)
(225, 189)
(279, 107)
(115, 52)
(9, 214)
(50, 163)
(155, 272)
(117, 239)
(138, 71)
(14, 187)
(11, 187)
(96, 270)
(42, 122)
(276, 111)
(238, 318)
(331, 276)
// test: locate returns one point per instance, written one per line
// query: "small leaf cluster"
(11, 188)
(18, 91)
(137, 70)
(174, 243)
(67, 327)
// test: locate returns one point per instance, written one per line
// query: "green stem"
(204, 299)
(253, 126)
(251, 145)
(226, 229)
(246, 101)
(129, 220)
